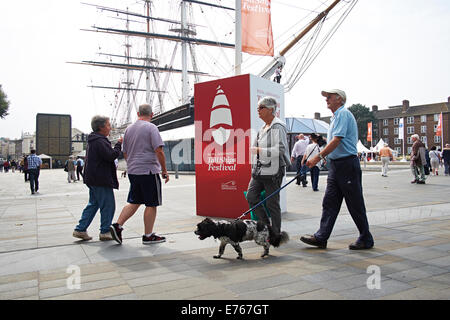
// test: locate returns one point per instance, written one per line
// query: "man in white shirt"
(297, 155)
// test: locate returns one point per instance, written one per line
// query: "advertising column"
(226, 122)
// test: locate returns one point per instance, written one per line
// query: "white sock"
(149, 235)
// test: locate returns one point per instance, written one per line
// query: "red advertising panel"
(222, 142)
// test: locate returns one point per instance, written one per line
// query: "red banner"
(439, 127)
(369, 131)
(257, 37)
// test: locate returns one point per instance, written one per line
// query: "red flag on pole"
(369, 131)
(439, 127)
(257, 37)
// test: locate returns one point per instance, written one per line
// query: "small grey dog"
(234, 232)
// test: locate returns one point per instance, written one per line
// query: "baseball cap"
(336, 91)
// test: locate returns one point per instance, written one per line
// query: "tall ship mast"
(153, 32)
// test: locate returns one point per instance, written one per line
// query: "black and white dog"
(233, 232)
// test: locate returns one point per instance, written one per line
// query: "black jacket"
(99, 168)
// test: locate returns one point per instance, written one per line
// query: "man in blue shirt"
(344, 175)
(34, 164)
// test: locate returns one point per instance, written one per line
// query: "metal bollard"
(176, 171)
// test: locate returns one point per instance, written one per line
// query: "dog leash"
(275, 192)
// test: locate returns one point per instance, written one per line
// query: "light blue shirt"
(343, 124)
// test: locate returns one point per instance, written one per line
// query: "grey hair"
(415, 136)
(145, 109)
(268, 102)
(98, 122)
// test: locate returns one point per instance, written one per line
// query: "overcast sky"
(385, 51)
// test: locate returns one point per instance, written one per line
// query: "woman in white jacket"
(271, 151)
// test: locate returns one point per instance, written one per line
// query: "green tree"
(363, 115)
(4, 104)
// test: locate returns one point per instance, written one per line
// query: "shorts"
(145, 189)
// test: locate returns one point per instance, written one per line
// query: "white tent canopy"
(379, 145)
(44, 156)
(360, 147)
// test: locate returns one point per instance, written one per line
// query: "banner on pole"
(439, 127)
(400, 129)
(257, 37)
(369, 131)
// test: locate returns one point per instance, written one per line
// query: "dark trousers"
(255, 187)
(301, 178)
(80, 172)
(315, 171)
(25, 172)
(344, 182)
(34, 179)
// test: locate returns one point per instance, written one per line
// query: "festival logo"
(221, 120)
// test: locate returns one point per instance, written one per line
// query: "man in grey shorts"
(143, 151)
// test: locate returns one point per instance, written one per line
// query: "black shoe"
(153, 239)
(116, 232)
(414, 181)
(420, 182)
(360, 246)
(311, 240)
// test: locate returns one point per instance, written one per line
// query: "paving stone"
(412, 294)
(281, 291)
(388, 287)
(417, 273)
(261, 283)
(321, 294)
(19, 293)
(95, 294)
(443, 262)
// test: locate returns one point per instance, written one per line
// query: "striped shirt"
(34, 161)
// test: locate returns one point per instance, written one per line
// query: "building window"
(396, 130)
(396, 121)
(424, 140)
(437, 139)
(410, 130)
(399, 150)
(386, 131)
(397, 141)
(435, 127)
(423, 118)
(436, 117)
(423, 129)
(385, 122)
(410, 120)
(409, 140)
(409, 150)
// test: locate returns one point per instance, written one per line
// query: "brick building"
(422, 120)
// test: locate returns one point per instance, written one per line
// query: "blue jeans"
(99, 198)
(34, 179)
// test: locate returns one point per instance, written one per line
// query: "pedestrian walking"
(435, 159)
(298, 151)
(34, 165)
(446, 158)
(418, 160)
(70, 165)
(344, 176)
(386, 156)
(312, 150)
(80, 165)
(144, 154)
(101, 178)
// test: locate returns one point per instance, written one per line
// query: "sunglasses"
(261, 107)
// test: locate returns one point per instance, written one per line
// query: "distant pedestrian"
(144, 154)
(298, 151)
(25, 168)
(446, 158)
(34, 165)
(386, 156)
(418, 160)
(344, 176)
(435, 159)
(313, 150)
(80, 165)
(101, 178)
(13, 165)
(70, 165)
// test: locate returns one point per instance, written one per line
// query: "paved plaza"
(410, 224)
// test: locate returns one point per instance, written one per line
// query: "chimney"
(405, 105)
(374, 108)
(317, 115)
